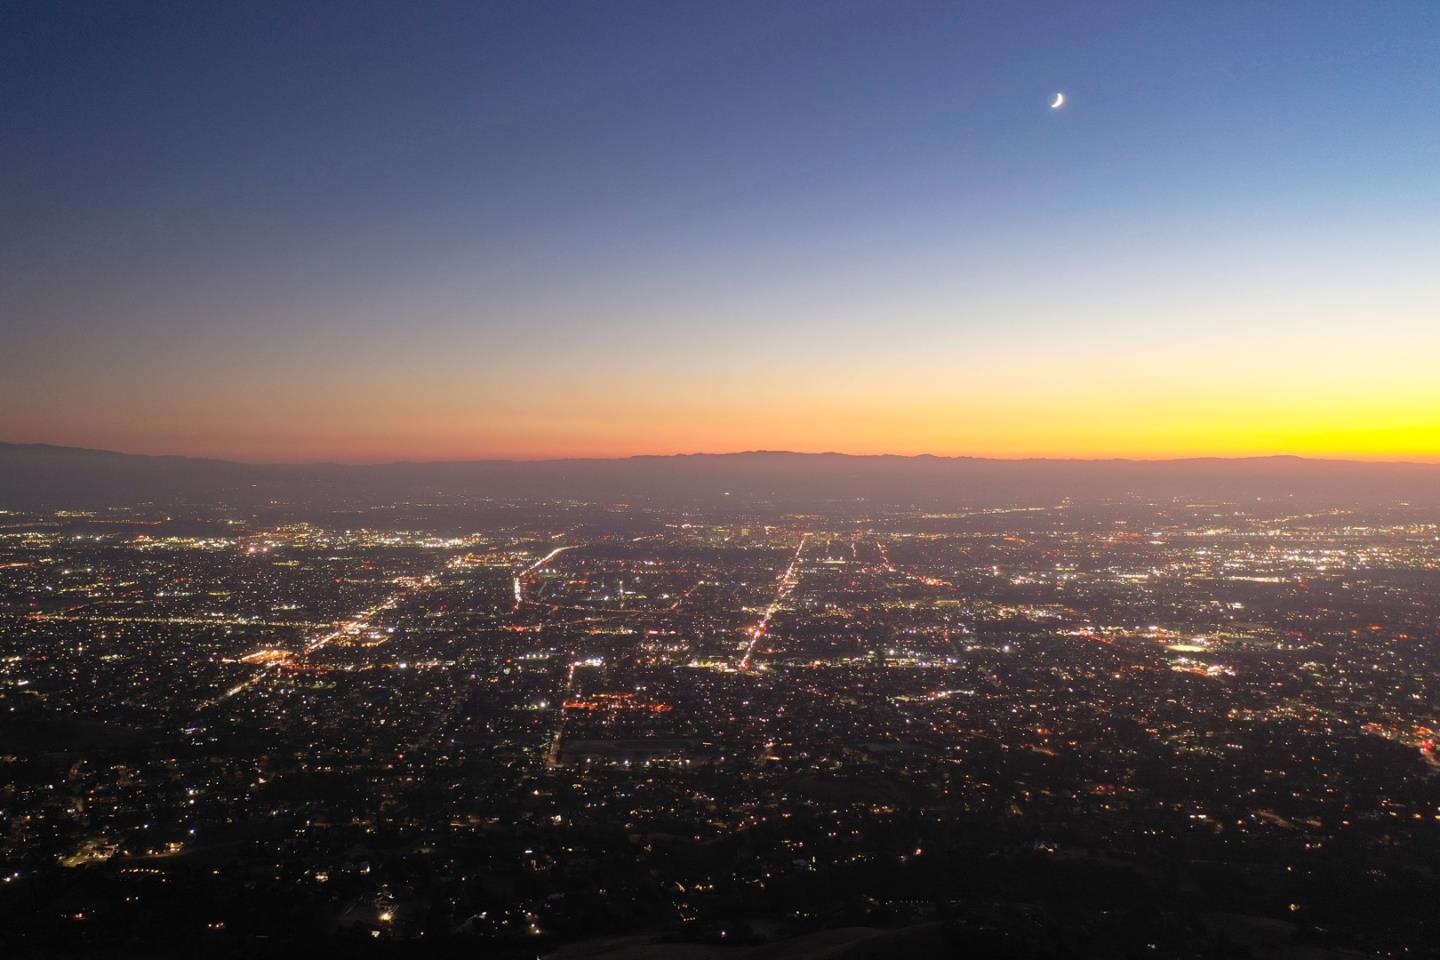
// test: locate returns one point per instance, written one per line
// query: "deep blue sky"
(363, 230)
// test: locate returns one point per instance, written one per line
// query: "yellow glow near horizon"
(1079, 426)
(1324, 395)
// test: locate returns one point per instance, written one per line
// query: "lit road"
(350, 627)
(787, 583)
(185, 621)
(552, 756)
(520, 577)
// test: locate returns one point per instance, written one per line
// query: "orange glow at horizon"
(1325, 397)
(985, 432)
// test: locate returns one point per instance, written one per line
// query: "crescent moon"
(1059, 101)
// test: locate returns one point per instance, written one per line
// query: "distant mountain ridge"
(44, 475)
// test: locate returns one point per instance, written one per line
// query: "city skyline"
(480, 231)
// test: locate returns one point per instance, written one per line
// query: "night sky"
(367, 231)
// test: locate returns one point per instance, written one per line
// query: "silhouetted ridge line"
(44, 475)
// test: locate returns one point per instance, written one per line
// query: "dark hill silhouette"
(41, 475)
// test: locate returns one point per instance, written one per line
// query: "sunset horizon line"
(382, 461)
